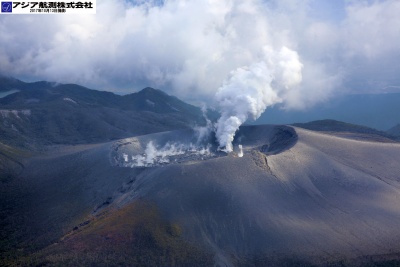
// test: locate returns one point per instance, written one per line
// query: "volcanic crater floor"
(295, 198)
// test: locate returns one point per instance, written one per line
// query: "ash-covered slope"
(295, 198)
(293, 195)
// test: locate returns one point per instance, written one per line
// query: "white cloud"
(371, 41)
(190, 47)
(372, 31)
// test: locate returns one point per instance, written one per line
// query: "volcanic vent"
(164, 148)
(185, 146)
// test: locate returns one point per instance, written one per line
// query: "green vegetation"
(134, 235)
(10, 162)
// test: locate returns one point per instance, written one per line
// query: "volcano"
(295, 198)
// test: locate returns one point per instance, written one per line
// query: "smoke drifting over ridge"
(189, 47)
(250, 90)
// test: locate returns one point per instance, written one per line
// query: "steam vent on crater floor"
(295, 195)
(292, 160)
(295, 198)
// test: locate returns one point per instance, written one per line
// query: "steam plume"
(240, 154)
(169, 153)
(251, 89)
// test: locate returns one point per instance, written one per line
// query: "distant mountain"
(347, 130)
(294, 197)
(395, 131)
(44, 113)
(9, 84)
(379, 111)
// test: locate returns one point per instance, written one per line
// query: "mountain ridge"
(378, 111)
(395, 130)
(43, 113)
(296, 198)
(92, 178)
(348, 130)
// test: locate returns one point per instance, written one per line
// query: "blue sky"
(333, 10)
(191, 48)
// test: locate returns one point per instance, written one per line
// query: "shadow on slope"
(43, 113)
(295, 198)
(270, 140)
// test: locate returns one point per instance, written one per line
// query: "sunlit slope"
(295, 197)
(323, 198)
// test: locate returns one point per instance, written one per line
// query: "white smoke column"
(250, 90)
(151, 153)
(203, 132)
(240, 154)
